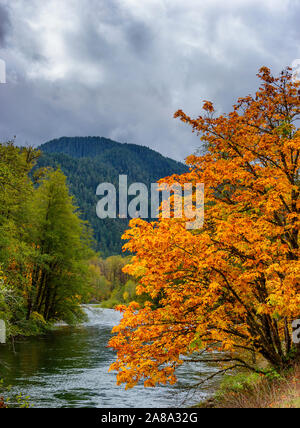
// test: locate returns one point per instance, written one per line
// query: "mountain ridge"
(51, 146)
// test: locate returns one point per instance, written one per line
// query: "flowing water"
(68, 367)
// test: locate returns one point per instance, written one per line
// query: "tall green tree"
(44, 246)
(63, 242)
(16, 191)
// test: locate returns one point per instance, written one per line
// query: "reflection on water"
(69, 368)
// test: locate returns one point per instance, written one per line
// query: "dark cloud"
(4, 24)
(121, 68)
(140, 38)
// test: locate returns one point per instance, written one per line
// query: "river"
(68, 367)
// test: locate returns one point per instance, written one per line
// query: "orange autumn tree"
(233, 285)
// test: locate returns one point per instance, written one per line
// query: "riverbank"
(256, 391)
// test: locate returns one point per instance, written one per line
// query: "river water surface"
(68, 367)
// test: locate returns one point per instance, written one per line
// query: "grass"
(255, 391)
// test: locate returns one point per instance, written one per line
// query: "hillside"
(89, 161)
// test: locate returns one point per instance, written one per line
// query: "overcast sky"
(121, 68)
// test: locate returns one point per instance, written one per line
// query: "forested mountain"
(89, 161)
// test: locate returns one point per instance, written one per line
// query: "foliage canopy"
(233, 285)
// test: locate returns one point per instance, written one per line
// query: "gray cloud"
(4, 24)
(121, 69)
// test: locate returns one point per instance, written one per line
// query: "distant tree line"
(110, 286)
